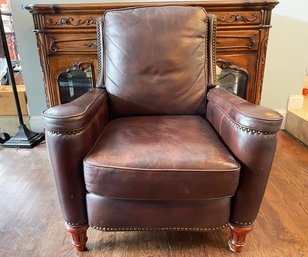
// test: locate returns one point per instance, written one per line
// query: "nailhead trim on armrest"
(73, 132)
(245, 129)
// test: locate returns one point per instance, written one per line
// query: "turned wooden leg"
(79, 236)
(238, 235)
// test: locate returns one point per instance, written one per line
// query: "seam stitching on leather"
(158, 229)
(245, 129)
(129, 199)
(156, 170)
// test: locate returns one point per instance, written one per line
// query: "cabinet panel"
(71, 43)
(241, 40)
(239, 18)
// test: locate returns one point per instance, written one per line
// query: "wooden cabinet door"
(69, 64)
(246, 63)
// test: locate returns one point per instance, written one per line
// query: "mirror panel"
(75, 81)
(232, 78)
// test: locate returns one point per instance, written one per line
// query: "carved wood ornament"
(223, 64)
(236, 18)
(72, 21)
(81, 66)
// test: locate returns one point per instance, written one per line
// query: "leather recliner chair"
(155, 146)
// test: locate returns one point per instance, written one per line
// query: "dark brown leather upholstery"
(160, 158)
(250, 133)
(147, 152)
(71, 131)
(144, 69)
(117, 214)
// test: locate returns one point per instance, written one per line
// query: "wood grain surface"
(31, 223)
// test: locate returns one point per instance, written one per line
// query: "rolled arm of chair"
(249, 131)
(71, 130)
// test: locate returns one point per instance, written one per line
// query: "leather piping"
(235, 107)
(243, 128)
(147, 169)
(80, 114)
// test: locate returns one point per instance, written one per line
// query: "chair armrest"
(249, 131)
(71, 130)
(75, 115)
(245, 114)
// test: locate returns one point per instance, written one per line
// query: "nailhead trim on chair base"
(76, 224)
(157, 229)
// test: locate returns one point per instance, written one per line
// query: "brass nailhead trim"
(206, 46)
(214, 49)
(99, 54)
(73, 132)
(157, 229)
(253, 131)
(241, 223)
(76, 224)
(248, 130)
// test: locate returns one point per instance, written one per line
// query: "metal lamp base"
(24, 138)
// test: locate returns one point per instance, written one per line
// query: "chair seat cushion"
(160, 158)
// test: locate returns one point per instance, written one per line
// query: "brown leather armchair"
(156, 146)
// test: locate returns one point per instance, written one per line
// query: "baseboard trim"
(36, 123)
(283, 113)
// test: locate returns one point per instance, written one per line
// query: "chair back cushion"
(155, 60)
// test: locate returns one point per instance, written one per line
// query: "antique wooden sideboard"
(66, 39)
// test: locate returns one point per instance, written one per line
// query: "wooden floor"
(31, 223)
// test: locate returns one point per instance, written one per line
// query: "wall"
(287, 52)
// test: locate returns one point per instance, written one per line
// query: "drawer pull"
(251, 42)
(90, 45)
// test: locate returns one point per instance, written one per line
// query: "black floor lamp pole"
(24, 138)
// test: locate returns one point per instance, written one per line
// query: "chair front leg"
(238, 236)
(79, 236)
